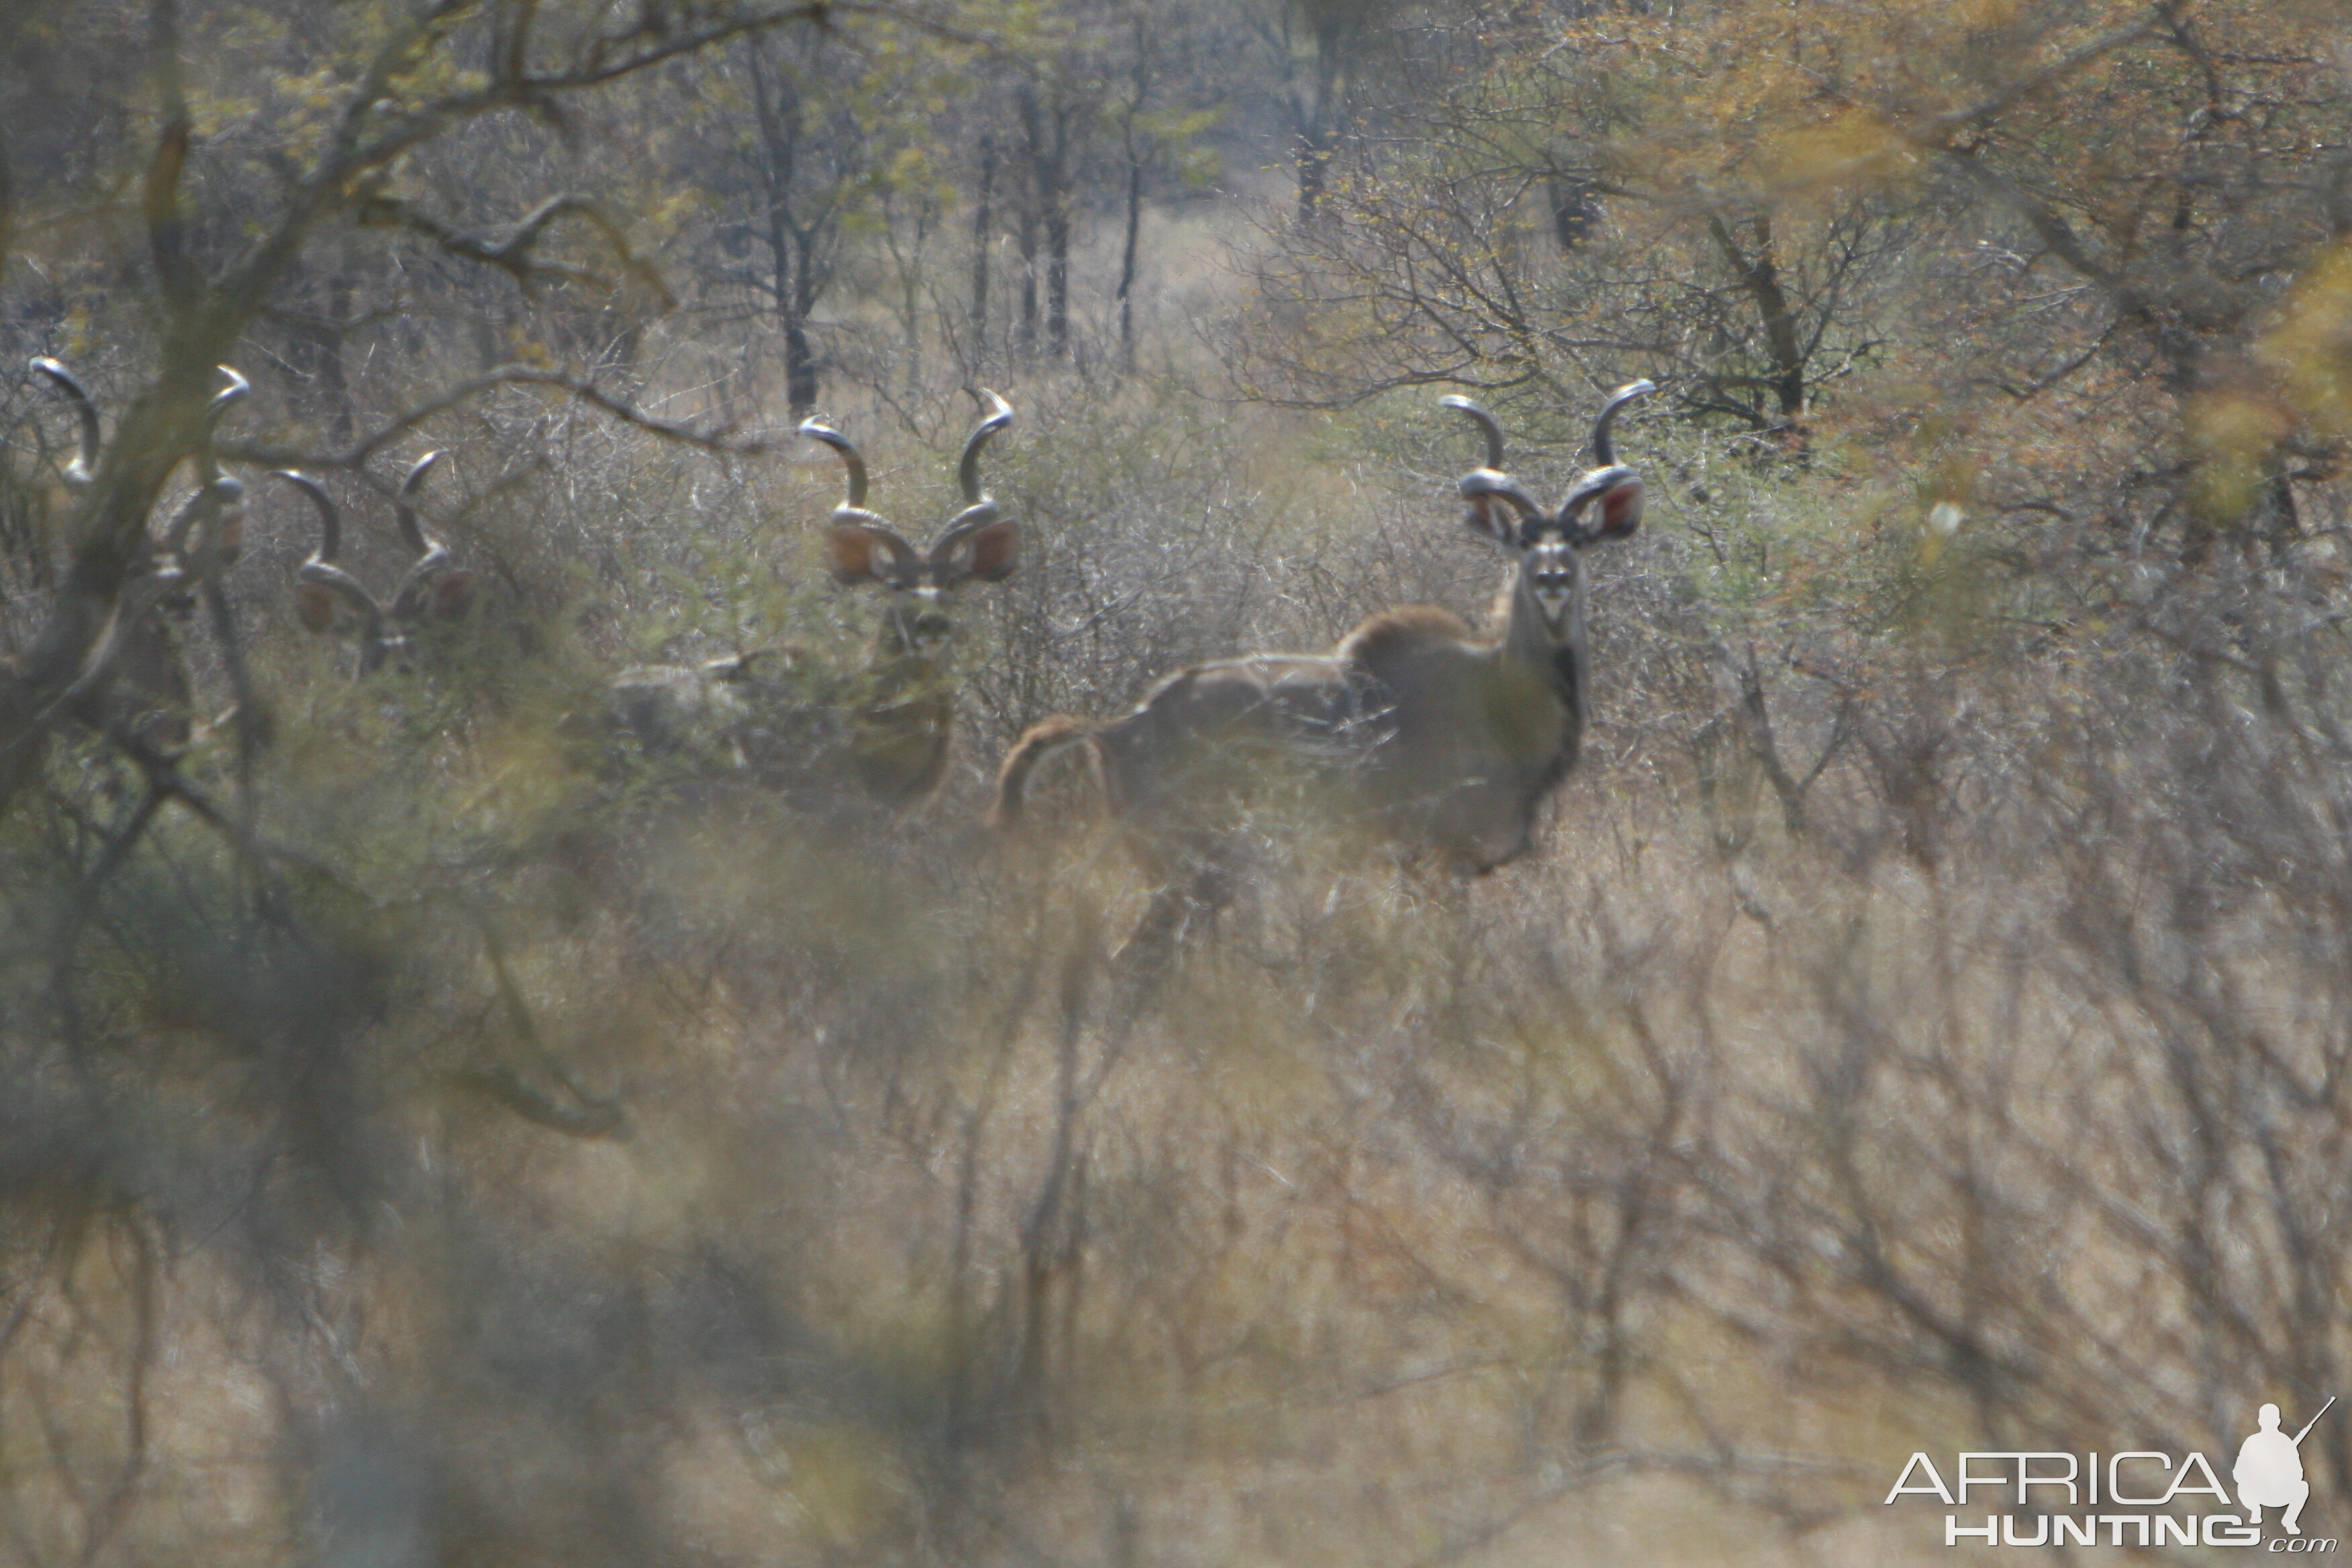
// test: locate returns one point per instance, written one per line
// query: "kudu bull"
(1450, 739)
(432, 589)
(136, 678)
(889, 727)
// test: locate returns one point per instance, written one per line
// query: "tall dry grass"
(1918, 1032)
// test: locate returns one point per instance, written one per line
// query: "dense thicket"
(444, 1119)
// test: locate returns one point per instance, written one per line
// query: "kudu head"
(207, 532)
(435, 587)
(431, 589)
(1606, 503)
(140, 652)
(978, 544)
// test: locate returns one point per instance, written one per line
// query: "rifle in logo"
(2269, 1471)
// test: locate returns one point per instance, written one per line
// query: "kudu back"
(884, 730)
(1445, 738)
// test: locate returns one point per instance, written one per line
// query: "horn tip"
(66, 379)
(237, 390)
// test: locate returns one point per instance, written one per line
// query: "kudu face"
(1606, 503)
(140, 654)
(978, 544)
(432, 589)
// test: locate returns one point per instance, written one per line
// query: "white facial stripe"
(1550, 564)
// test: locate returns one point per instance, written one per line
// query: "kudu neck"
(1529, 639)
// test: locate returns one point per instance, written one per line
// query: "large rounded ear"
(1495, 504)
(314, 606)
(228, 530)
(863, 553)
(1617, 510)
(453, 594)
(1488, 519)
(853, 554)
(995, 551)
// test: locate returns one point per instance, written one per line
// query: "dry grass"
(1654, 1197)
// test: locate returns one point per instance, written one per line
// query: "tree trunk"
(792, 275)
(1057, 276)
(800, 382)
(982, 238)
(332, 380)
(1127, 259)
(1047, 135)
(1316, 113)
(7, 208)
(1760, 276)
(1025, 235)
(1309, 157)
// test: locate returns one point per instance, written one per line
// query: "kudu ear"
(1489, 519)
(863, 553)
(1617, 510)
(995, 551)
(314, 606)
(1497, 505)
(453, 594)
(852, 553)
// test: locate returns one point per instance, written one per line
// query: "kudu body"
(885, 730)
(327, 596)
(136, 676)
(1448, 738)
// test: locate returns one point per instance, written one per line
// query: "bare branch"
(515, 62)
(2048, 225)
(591, 1119)
(587, 1115)
(515, 254)
(1988, 107)
(358, 454)
(166, 230)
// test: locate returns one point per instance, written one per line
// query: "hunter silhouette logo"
(2136, 1497)
(2269, 1471)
